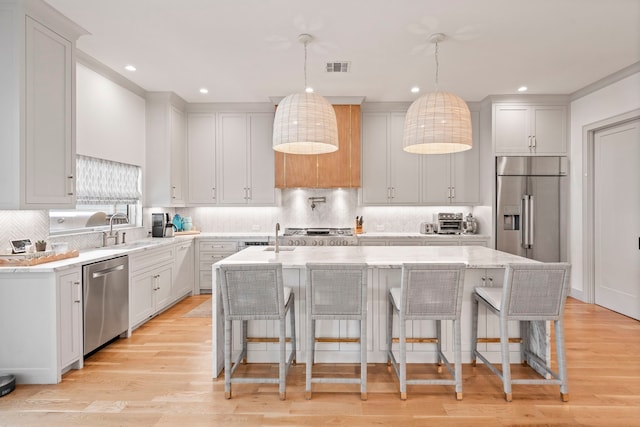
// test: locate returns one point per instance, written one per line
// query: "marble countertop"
(88, 256)
(376, 256)
(411, 235)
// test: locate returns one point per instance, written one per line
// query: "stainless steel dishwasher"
(105, 288)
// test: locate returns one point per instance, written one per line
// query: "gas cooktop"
(320, 231)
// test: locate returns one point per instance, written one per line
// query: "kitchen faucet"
(277, 249)
(116, 237)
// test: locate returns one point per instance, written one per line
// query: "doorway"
(615, 164)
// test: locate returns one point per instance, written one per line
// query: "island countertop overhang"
(376, 256)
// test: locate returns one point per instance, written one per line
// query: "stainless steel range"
(318, 237)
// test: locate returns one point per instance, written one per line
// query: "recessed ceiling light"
(309, 90)
(204, 90)
(415, 89)
(522, 89)
(130, 68)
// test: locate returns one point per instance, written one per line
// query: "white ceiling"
(247, 50)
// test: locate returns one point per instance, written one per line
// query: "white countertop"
(410, 235)
(88, 256)
(376, 256)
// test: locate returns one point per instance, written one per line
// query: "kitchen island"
(485, 267)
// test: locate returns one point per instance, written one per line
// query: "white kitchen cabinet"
(150, 289)
(453, 179)
(246, 168)
(37, 83)
(209, 252)
(183, 281)
(523, 129)
(201, 142)
(70, 338)
(166, 149)
(390, 176)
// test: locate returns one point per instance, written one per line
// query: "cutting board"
(186, 233)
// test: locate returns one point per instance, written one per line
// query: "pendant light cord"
(437, 67)
(305, 65)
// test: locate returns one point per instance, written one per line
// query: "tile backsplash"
(338, 210)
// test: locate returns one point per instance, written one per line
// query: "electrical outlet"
(379, 227)
(255, 227)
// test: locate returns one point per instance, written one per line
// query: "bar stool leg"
(363, 359)
(474, 329)
(389, 332)
(227, 358)
(457, 357)
(245, 327)
(506, 367)
(403, 360)
(310, 345)
(439, 344)
(562, 361)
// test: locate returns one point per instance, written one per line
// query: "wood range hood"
(340, 169)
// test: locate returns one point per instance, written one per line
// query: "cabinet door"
(142, 289)
(49, 147)
(465, 174)
(549, 124)
(70, 296)
(178, 149)
(404, 167)
(163, 287)
(511, 129)
(233, 158)
(375, 184)
(184, 270)
(261, 159)
(201, 140)
(436, 179)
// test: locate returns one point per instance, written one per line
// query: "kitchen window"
(103, 188)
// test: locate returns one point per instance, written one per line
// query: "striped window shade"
(105, 182)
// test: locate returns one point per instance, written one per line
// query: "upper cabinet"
(166, 149)
(246, 158)
(529, 129)
(453, 179)
(340, 169)
(230, 158)
(201, 147)
(37, 98)
(390, 175)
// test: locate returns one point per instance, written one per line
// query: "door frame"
(588, 197)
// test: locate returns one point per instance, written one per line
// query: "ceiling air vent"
(338, 67)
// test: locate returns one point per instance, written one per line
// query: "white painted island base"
(485, 267)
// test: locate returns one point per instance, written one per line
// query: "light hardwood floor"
(161, 376)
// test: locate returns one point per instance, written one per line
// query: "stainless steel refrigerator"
(529, 217)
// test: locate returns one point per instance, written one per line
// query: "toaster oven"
(449, 223)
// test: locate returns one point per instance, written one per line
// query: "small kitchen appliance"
(449, 223)
(470, 224)
(157, 225)
(427, 228)
(169, 228)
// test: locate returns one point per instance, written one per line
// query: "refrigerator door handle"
(531, 222)
(526, 226)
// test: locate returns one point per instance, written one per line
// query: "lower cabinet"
(209, 252)
(70, 340)
(183, 280)
(150, 288)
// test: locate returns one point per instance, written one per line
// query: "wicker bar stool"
(256, 292)
(427, 292)
(531, 292)
(336, 292)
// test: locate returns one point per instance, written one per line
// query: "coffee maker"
(157, 225)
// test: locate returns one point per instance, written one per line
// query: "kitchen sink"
(129, 246)
(281, 248)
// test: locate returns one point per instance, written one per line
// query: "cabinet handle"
(533, 139)
(393, 192)
(173, 191)
(213, 193)
(78, 297)
(483, 279)
(453, 193)
(249, 196)
(70, 185)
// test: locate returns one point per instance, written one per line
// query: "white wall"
(110, 120)
(618, 98)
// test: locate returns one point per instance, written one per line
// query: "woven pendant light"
(437, 122)
(305, 122)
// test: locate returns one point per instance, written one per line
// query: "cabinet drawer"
(206, 279)
(208, 258)
(219, 246)
(139, 262)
